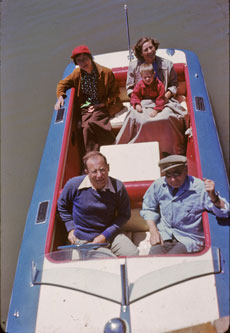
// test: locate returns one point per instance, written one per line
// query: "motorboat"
(63, 288)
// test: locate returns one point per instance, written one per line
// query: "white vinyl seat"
(119, 118)
(123, 157)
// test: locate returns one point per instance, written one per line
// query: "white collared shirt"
(86, 183)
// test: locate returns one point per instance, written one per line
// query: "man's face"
(176, 177)
(98, 171)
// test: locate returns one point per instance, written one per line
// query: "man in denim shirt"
(173, 207)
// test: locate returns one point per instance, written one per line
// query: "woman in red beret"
(96, 96)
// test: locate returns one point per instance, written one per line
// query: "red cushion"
(121, 73)
(136, 191)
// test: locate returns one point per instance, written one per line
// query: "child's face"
(147, 77)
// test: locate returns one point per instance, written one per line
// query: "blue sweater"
(90, 212)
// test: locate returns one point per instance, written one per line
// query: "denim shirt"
(180, 215)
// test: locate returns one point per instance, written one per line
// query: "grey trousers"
(169, 247)
(120, 245)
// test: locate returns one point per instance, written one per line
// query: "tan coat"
(108, 89)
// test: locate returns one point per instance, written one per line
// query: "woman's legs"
(97, 130)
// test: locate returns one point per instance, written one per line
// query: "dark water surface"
(37, 37)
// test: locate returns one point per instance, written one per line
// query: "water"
(37, 37)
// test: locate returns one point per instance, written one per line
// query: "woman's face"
(148, 52)
(84, 62)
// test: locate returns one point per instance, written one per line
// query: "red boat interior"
(70, 165)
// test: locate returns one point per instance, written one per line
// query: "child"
(149, 88)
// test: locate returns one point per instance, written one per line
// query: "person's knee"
(123, 246)
(131, 251)
(178, 248)
(158, 249)
(128, 252)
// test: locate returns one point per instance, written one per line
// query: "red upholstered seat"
(121, 73)
(136, 191)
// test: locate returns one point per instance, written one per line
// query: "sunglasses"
(174, 174)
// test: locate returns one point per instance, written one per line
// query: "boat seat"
(121, 158)
(136, 228)
(121, 74)
(119, 118)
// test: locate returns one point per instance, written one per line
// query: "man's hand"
(60, 103)
(138, 108)
(71, 237)
(99, 239)
(155, 237)
(210, 188)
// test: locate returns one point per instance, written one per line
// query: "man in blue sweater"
(95, 206)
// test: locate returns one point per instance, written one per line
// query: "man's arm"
(71, 237)
(210, 188)
(123, 212)
(150, 212)
(65, 206)
(155, 237)
(99, 239)
(65, 203)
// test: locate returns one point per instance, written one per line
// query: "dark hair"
(138, 47)
(92, 154)
(89, 55)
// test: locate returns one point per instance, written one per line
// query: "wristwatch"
(217, 198)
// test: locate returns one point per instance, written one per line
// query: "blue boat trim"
(211, 160)
(42, 212)
(199, 101)
(60, 115)
(23, 294)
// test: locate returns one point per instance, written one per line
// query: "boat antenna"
(127, 26)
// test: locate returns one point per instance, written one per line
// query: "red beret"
(80, 49)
